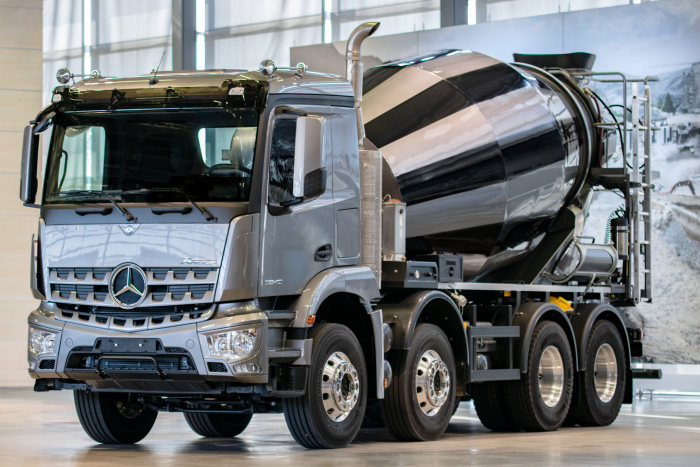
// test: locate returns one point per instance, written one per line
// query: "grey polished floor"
(42, 429)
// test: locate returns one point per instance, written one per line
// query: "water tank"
(485, 154)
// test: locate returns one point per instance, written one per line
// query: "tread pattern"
(307, 429)
(299, 422)
(395, 412)
(491, 406)
(524, 395)
(403, 417)
(582, 411)
(101, 420)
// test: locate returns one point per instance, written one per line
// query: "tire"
(410, 411)
(330, 415)
(540, 400)
(491, 405)
(218, 425)
(598, 396)
(111, 418)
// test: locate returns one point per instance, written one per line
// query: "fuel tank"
(485, 154)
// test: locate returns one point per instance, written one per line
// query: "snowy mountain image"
(671, 321)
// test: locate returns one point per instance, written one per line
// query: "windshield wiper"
(202, 210)
(99, 193)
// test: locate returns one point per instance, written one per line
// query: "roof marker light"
(63, 75)
(267, 67)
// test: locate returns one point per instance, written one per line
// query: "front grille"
(166, 286)
(136, 319)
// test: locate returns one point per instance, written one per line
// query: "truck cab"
(183, 222)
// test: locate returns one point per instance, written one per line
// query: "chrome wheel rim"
(551, 376)
(340, 387)
(432, 383)
(605, 373)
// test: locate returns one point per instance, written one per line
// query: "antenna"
(154, 79)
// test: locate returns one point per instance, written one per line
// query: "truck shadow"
(204, 445)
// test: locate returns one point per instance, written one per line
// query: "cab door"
(298, 235)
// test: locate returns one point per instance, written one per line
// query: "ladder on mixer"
(633, 178)
(639, 207)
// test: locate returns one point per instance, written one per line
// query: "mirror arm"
(276, 210)
(41, 116)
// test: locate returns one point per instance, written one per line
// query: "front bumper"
(173, 359)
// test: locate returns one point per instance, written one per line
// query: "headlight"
(41, 342)
(232, 345)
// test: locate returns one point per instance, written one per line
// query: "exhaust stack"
(353, 71)
(370, 159)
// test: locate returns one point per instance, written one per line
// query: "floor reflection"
(42, 429)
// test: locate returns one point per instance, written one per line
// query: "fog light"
(232, 345)
(247, 368)
(41, 343)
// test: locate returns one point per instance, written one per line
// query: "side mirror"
(309, 163)
(30, 155)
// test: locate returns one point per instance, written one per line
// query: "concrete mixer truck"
(228, 242)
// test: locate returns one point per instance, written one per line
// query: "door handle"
(324, 253)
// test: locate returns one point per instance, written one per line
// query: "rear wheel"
(218, 425)
(329, 415)
(541, 399)
(598, 397)
(491, 406)
(419, 402)
(113, 418)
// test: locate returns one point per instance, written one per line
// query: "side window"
(282, 160)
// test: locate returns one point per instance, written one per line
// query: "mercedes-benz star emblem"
(127, 287)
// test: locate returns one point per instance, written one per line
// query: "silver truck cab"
(192, 225)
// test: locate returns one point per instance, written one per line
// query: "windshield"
(204, 155)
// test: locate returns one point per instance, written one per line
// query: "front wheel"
(598, 397)
(419, 402)
(330, 414)
(218, 425)
(113, 418)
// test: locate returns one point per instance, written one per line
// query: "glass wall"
(62, 40)
(396, 16)
(497, 10)
(116, 37)
(132, 37)
(242, 33)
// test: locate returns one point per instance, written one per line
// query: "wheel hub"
(340, 387)
(605, 373)
(128, 410)
(432, 382)
(551, 376)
